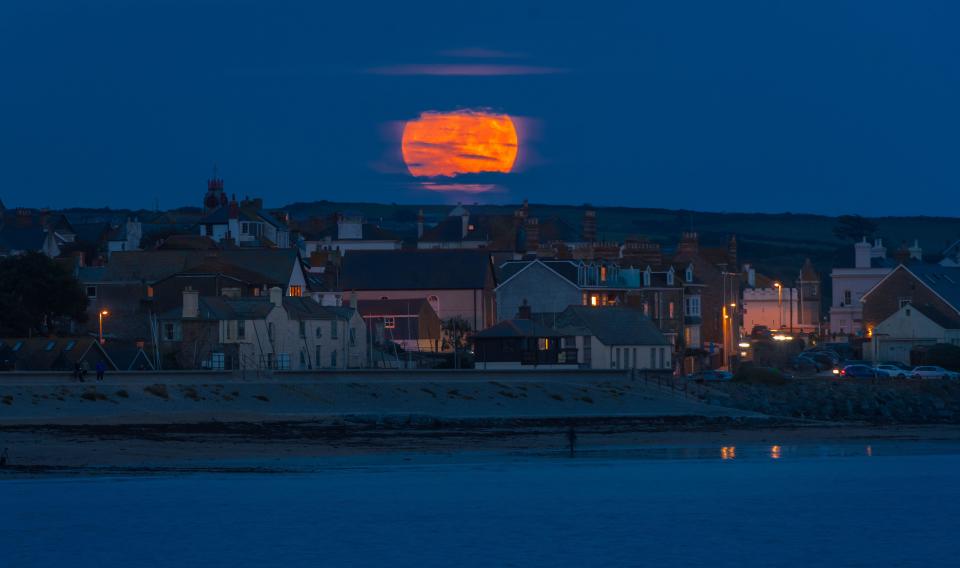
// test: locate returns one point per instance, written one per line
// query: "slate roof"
(275, 265)
(48, 353)
(938, 318)
(565, 268)
(22, 238)
(371, 232)
(614, 325)
(943, 280)
(91, 232)
(517, 328)
(415, 270)
(411, 306)
(309, 309)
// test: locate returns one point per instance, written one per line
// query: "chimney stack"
(689, 243)
(862, 254)
(916, 253)
(191, 302)
(589, 226)
(532, 230)
(525, 312)
(276, 296)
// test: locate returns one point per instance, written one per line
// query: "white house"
(850, 284)
(909, 327)
(276, 332)
(613, 337)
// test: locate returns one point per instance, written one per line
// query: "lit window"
(543, 344)
(149, 291)
(594, 300)
(670, 310)
(389, 322)
(603, 273)
(296, 290)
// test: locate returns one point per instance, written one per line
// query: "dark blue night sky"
(828, 107)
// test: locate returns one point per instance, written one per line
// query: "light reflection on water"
(765, 451)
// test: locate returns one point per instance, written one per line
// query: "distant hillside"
(775, 243)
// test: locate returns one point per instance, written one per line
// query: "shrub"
(158, 390)
(753, 375)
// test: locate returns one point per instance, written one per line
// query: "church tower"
(215, 197)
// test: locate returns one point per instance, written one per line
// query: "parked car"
(761, 332)
(862, 372)
(710, 375)
(933, 372)
(891, 370)
(898, 365)
(823, 361)
(804, 364)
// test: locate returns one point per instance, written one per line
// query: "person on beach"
(101, 369)
(572, 440)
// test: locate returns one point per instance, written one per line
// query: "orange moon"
(459, 142)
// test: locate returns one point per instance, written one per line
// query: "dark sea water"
(812, 505)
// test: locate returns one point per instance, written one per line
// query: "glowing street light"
(103, 314)
(779, 288)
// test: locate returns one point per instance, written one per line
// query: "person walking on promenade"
(572, 440)
(101, 369)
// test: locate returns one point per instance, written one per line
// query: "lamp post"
(779, 288)
(103, 313)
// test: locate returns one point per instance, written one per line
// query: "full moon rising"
(459, 142)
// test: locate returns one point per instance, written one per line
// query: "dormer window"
(646, 277)
(688, 276)
(670, 277)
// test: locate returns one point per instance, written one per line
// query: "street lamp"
(779, 288)
(103, 313)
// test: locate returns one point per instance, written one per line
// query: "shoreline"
(304, 447)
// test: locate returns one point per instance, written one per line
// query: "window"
(303, 360)
(670, 277)
(543, 343)
(847, 298)
(691, 306)
(217, 361)
(318, 353)
(91, 292)
(646, 278)
(241, 329)
(353, 336)
(653, 358)
(646, 309)
(594, 300)
(603, 273)
(149, 291)
(904, 300)
(270, 331)
(626, 358)
(169, 331)
(663, 362)
(70, 345)
(303, 329)
(333, 358)
(319, 333)
(245, 228)
(283, 361)
(271, 362)
(295, 290)
(333, 329)
(670, 310)
(17, 346)
(50, 345)
(389, 322)
(689, 274)
(229, 325)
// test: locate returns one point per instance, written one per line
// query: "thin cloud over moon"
(463, 70)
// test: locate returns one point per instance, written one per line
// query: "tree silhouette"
(35, 292)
